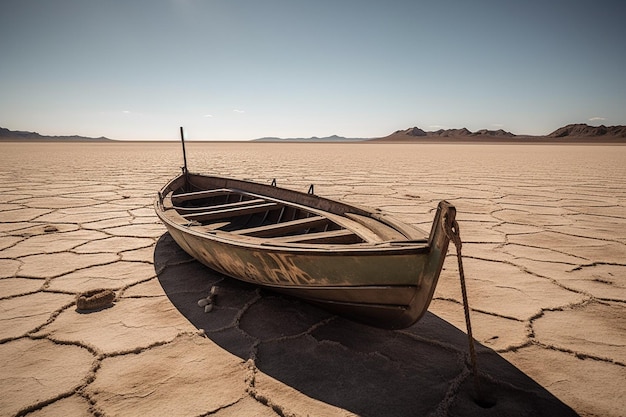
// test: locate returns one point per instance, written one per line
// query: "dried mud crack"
(544, 247)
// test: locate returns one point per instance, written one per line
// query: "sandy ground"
(544, 230)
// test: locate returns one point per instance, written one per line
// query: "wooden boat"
(353, 261)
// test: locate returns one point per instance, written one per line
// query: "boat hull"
(388, 285)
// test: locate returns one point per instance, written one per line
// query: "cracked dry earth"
(544, 231)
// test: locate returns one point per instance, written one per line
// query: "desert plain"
(544, 246)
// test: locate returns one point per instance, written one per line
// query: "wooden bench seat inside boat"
(196, 195)
(331, 236)
(279, 229)
(224, 213)
(237, 204)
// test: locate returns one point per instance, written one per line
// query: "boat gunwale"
(393, 247)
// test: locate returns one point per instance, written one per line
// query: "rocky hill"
(463, 133)
(586, 131)
(7, 135)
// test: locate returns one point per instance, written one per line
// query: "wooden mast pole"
(182, 139)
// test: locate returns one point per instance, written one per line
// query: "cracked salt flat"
(544, 244)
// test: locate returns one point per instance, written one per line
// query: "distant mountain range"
(416, 131)
(7, 135)
(333, 138)
(582, 133)
(569, 133)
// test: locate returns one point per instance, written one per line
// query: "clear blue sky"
(230, 69)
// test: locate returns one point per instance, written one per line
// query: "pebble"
(203, 302)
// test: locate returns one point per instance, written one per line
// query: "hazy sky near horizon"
(233, 69)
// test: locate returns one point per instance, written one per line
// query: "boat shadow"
(418, 371)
